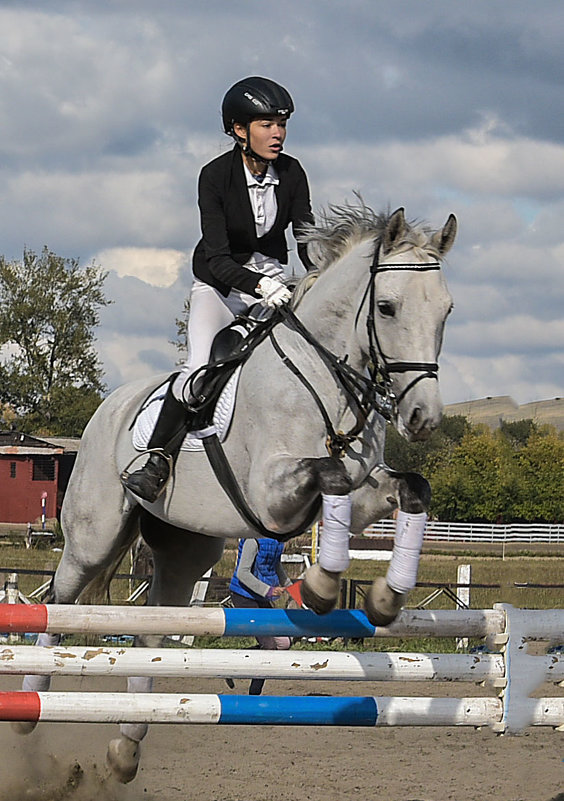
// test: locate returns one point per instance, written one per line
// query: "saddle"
(231, 347)
(189, 439)
(213, 387)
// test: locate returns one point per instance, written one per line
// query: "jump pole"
(350, 623)
(77, 707)
(224, 663)
(505, 627)
(55, 707)
(238, 664)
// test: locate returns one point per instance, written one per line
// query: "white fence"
(479, 532)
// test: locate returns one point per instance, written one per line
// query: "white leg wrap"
(334, 545)
(136, 731)
(40, 684)
(402, 572)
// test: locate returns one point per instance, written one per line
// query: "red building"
(34, 474)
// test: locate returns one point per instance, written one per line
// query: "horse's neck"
(329, 310)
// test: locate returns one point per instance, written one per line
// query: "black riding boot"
(170, 429)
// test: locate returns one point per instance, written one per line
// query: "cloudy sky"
(109, 110)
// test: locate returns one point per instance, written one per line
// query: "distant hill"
(493, 411)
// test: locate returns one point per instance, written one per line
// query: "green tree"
(540, 492)
(413, 456)
(513, 474)
(50, 374)
(519, 431)
(476, 481)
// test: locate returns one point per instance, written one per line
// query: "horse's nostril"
(415, 419)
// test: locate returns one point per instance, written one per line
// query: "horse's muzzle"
(421, 423)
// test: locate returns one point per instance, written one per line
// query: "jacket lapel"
(241, 192)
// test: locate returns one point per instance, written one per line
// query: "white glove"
(273, 292)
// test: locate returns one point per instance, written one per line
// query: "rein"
(364, 393)
(357, 387)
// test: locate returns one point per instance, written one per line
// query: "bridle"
(381, 366)
(365, 392)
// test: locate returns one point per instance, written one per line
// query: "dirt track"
(244, 763)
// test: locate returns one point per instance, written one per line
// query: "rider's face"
(267, 135)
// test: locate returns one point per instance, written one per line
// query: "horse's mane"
(339, 228)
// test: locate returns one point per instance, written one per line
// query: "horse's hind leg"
(180, 558)
(91, 546)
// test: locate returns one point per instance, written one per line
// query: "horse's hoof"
(320, 589)
(122, 758)
(382, 604)
(23, 726)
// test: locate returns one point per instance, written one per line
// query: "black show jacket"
(228, 226)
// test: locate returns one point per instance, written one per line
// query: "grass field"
(437, 568)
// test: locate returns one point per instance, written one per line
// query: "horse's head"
(409, 303)
(396, 301)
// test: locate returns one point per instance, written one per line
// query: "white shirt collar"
(270, 177)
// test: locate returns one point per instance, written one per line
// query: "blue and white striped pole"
(267, 710)
(200, 621)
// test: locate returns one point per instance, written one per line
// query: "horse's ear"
(443, 239)
(395, 229)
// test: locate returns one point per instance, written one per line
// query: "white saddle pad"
(223, 413)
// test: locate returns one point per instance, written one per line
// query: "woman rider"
(247, 199)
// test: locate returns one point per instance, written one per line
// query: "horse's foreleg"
(410, 494)
(320, 588)
(180, 558)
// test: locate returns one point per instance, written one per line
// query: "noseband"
(381, 367)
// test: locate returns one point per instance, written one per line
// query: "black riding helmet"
(254, 97)
(250, 99)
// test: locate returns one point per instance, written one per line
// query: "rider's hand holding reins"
(273, 292)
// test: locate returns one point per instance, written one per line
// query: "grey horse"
(365, 331)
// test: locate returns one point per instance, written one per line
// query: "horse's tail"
(97, 591)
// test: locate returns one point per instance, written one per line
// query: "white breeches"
(210, 311)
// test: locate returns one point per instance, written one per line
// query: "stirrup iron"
(125, 473)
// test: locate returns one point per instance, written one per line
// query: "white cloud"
(509, 335)
(471, 163)
(158, 267)
(469, 377)
(128, 358)
(88, 211)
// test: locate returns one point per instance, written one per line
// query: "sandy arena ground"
(252, 763)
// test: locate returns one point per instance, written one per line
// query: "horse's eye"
(386, 308)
